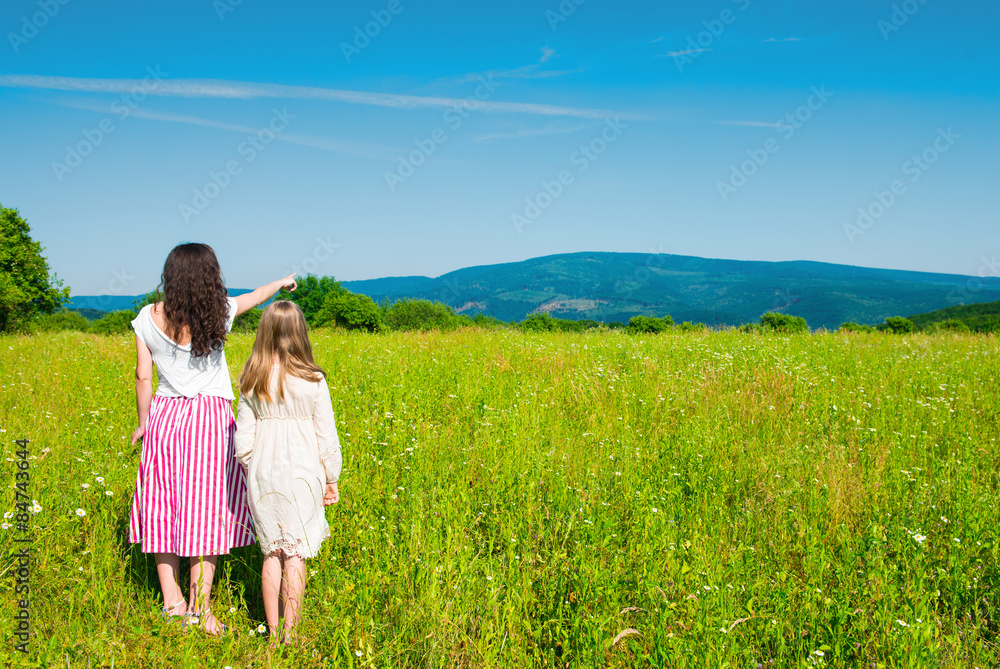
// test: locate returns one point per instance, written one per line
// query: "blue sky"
(740, 129)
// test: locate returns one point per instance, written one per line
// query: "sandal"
(167, 612)
(198, 619)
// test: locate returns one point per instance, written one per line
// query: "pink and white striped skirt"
(191, 491)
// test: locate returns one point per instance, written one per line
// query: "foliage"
(311, 293)
(950, 325)
(116, 322)
(850, 326)
(830, 493)
(152, 297)
(64, 319)
(978, 317)
(409, 314)
(26, 288)
(779, 322)
(488, 322)
(248, 320)
(541, 321)
(351, 311)
(688, 326)
(91, 314)
(897, 325)
(650, 324)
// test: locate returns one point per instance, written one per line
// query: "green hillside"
(981, 317)
(617, 286)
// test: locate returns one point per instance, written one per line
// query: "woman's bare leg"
(168, 567)
(202, 574)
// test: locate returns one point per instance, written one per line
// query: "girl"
(287, 440)
(190, 491)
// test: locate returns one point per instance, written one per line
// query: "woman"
(190, 495)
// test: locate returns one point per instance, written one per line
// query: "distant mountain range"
(616, 286)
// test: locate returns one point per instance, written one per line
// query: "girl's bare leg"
(168, 566)
(292, 588)
(270, 581)
(202, 574)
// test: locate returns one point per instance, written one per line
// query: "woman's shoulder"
(144, 316)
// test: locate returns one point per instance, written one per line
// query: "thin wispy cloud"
(529, 71)
(784, 39)
(752, 124)
(214, 88)
(531, 132)
(674, 54)
(345, 147)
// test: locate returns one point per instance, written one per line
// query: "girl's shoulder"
(307, 383)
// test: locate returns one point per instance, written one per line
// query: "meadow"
(709, 499)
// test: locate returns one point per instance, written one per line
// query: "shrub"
(117, 322)
(539, 322)
(411, 314)
(688, 326)
(64, 319)
(248, 321)
(778, 322)
(351, 311)
(487, 322)
(649, 324)
(851, 326)
(897, 325)
(950, 325)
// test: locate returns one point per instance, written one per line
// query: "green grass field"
(514, 500)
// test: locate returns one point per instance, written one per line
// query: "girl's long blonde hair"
(282, 331)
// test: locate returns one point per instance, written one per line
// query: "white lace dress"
(290, 450)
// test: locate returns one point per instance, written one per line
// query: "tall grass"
(521, 500)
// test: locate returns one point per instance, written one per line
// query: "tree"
(851, 326)
(311, 293)
(26, 288)
(897, 325)
(117, 322)
(410, 314)
(351, 311)
(649, 324)
(539, 322)
(778, 322)
(950, 325)
(487, 322)
(151, 297)
(248, 320)
(64, 319)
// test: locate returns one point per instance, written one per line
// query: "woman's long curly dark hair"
(195, 297)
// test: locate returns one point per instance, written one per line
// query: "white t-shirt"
(182, 374)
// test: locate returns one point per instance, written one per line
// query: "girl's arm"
(326, 434)
(246, 431)
(248, 301)
(143, 386)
